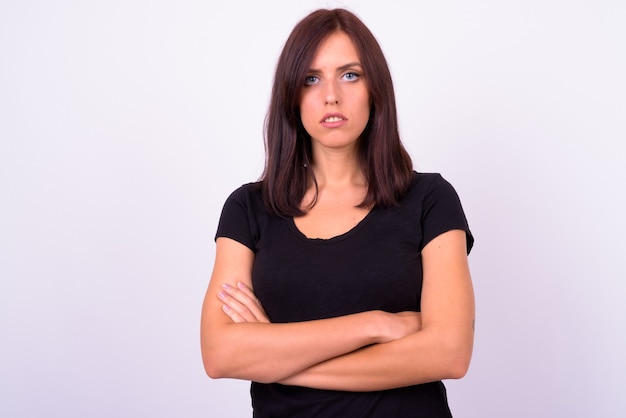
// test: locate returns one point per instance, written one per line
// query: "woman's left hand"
(241, 304)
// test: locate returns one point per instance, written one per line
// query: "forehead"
(337, 49)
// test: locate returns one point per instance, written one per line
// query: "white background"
(125, 124)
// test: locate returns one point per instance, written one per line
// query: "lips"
(333, 118)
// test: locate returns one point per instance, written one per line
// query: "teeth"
(333, 119)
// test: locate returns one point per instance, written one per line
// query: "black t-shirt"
(375, 265)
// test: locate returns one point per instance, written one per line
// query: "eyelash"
(308, 82)
(353, 74)
(312, 79)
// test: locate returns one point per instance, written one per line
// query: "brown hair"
(386, 165)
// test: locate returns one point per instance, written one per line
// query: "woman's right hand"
(240, 304)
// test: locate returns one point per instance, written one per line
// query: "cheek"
(365, 101)
(305, 110)
(305, 107)
(306, 115)
(365, 108)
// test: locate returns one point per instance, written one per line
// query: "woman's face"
(334, 105)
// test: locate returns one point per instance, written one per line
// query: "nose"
(331, 94)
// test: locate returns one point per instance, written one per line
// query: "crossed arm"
(371, 350)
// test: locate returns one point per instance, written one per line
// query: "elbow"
(458, 367)
(213, 372)
(457, 359)
(212, 366)
(217, 359)
(214, 361)
(219, 364)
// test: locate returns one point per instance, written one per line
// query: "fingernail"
(241, 285)
(226, 308)
(226, 286)
(221, 295)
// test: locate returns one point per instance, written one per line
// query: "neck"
(337, 169)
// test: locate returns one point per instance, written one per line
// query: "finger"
(246, 290)
(236, 306)
(232, 314)
(244, 296)
(258, 310)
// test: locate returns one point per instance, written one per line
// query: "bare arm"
(254, 349)
(440, 350)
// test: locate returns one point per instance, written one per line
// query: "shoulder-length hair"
(386, 165)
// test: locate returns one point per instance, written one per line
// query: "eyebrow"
(340, 68)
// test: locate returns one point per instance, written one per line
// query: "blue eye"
(351, 76)
(310, 80)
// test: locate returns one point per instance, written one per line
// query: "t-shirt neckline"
(336, 238)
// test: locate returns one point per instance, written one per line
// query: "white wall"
(125, 124)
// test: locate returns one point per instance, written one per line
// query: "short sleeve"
(442, 212)
(237, 219)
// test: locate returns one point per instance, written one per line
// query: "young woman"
(341, 286)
